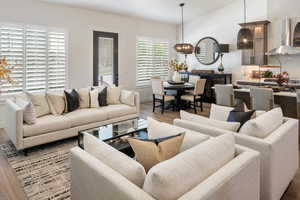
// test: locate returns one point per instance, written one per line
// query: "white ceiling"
(158, 10)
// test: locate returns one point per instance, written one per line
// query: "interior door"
(105, 58)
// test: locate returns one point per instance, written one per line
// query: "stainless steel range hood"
(286, 47)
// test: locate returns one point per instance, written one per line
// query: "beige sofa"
(51, 128)
(279, 153)
(236, 180)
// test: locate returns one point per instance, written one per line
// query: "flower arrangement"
(5, 70)
(176, 66)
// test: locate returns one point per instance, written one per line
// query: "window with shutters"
(39, 57)
(152, 60)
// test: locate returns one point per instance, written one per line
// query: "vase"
(176, 77)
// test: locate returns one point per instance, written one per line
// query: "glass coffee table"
(115, 134)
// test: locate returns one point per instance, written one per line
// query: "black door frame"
(115, 37)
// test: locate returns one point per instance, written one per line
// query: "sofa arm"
(284, 157)
(238, 179)
(101, 182)
(14, 123)
(137, 102)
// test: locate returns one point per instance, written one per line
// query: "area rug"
(45, 172)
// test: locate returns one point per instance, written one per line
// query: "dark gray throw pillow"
(102, 97)
(72, 100)
(241, 117)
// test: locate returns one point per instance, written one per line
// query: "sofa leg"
(25, 152)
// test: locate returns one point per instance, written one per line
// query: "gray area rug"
(45, 172)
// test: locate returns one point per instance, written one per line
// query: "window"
(152, 60)
(39, 55)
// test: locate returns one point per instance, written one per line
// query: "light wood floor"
(10, 188)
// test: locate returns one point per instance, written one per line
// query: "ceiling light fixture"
(245, 36)
(184, 48)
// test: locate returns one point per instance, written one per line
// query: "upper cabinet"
(256, 56)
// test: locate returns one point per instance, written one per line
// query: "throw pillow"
(84, 97)
(158, 129)
(94, 103)
(102, 97)
(72, 100)
(241, 117)
(116, 160)
(113, 95)
(264, 124)
(173, 178)
(229, 126)
(40, 103)
(56, 103)
(127, 97)
(151, 152)
(220, 113)
(29, 113)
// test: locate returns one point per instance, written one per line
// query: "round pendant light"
(245, 35)
(184, 48)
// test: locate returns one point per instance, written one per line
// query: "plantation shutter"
(56, 61)
(39, 55)
(12, 47)
(36, 60)
(152, 60)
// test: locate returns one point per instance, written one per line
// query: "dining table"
(178, 90)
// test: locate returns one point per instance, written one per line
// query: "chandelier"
(184, 48)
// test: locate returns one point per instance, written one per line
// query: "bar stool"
(224, 95)
(261, 98)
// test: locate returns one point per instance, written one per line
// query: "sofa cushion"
(113, 95)
(56, 103)
(150, 152)
(264, 124)
(84, 97)
(170, 179)
(46, 124)
(127, 97)
(40, 103)
(72, 99)
(220, 113)
(118, 161)
(229, 126)
(118, 110)
(158, 129)
(29, 113)
(86, 116)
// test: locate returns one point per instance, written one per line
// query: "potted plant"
(175, 66)
(5, 70)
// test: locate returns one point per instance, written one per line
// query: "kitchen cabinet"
(256, 56)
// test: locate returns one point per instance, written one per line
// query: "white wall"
(278, 10)
(222, 24)
(80, 23)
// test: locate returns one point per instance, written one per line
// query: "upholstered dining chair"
(159, 95)
(261, 98)
(193, 79)
(224, 95)
(197, 95)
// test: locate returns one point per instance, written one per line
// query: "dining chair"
(197, 95)
(159, 95)
(224, 95)
(261, 98)
(193, 79)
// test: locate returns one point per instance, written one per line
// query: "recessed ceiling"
(158, 10)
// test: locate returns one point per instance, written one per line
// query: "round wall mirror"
(207, 51)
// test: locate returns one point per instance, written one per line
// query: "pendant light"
(245, 36)
(184, 48)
